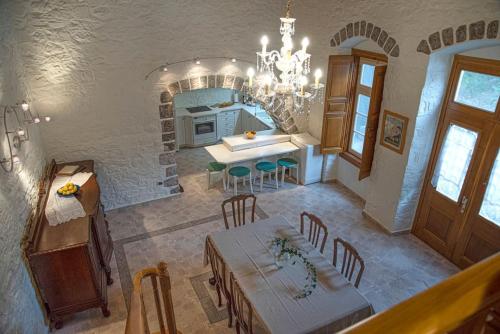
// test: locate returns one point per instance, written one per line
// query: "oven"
(204, 130)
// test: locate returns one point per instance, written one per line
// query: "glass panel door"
(490, 207)
(454, 160)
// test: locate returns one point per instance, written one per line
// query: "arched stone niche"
(463, 33)
(167, 117)
(362, 30)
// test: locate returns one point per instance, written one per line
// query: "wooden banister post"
(167, 297)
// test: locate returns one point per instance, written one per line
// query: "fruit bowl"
(68, 190)
(250, 134)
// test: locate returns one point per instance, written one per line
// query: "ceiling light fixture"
(47, 119)
(233, 60)
(197, 61)
(36, 120)
(287, 88)
(164, 68)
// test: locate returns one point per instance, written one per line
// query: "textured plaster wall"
(86, 61)
(19, 310)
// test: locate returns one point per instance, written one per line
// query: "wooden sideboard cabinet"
(69, 262)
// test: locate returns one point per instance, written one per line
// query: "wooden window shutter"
(372, 122)
(341, 81)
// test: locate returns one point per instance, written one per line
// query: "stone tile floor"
(174, 229)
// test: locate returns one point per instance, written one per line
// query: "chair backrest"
(137, 321)
(238, 207)
(316, 229)
(350, 258)
(217, 264)
(241, 306)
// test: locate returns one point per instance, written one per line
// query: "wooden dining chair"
(238, 207)
(316, 229)
(137, 320)
(351, 257)
(242, 308)
(219, 277)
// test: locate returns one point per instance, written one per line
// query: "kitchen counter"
(263, 138)
(254, 110)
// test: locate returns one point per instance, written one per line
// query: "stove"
(193, 110)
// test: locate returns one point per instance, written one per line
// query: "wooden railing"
(137, 321)
(468, 302)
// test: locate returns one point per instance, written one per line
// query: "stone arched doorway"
(167, 117)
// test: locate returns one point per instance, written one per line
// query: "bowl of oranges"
(69, 189)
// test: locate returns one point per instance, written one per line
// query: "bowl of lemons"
(250, 134)
(69, 189)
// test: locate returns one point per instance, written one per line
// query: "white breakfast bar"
(271, 145)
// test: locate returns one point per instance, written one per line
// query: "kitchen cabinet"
(180, 132)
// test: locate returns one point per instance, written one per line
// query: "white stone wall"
(86, 62)
(19, 310)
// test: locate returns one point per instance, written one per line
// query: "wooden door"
(481, 235)
(340, 82)
(458, 161)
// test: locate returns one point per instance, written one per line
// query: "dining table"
(272, 288)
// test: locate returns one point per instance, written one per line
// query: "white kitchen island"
(303, 147)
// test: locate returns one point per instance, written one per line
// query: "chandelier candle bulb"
(47, 119)
(317, 75)
(36, 120)
(305, 44)
(250, 73)
(20, 132)
(303, 82)
(264, 41)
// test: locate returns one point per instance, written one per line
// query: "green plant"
(295, 255)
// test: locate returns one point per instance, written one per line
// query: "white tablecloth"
(63, 209)
(334, 304)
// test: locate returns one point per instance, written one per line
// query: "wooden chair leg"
(229, 312)
(224, 180)
(251, 187)
(283, 170)
(218, 294)
(235, 185)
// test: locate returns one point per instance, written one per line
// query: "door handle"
(463, 205)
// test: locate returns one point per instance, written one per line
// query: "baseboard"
(382, 226)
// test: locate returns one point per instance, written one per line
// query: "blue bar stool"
(240, 171)
(267, 167)
(288, 163)
(216, 167)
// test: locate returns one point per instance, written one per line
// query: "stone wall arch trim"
(367, 30)
(201, 82)
(465, 32)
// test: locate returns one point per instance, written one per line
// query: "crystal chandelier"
(281, 82)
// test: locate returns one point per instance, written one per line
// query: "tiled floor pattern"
(174, 230)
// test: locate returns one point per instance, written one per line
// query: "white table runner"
(63, 209)
(335, 304)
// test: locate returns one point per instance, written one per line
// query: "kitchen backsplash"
(204, 97)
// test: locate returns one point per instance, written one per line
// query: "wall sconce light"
(233, 60)
(48, 118)
(25, 106)
(164, 68)
(197, 61)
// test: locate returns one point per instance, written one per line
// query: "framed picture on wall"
(394, 131)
